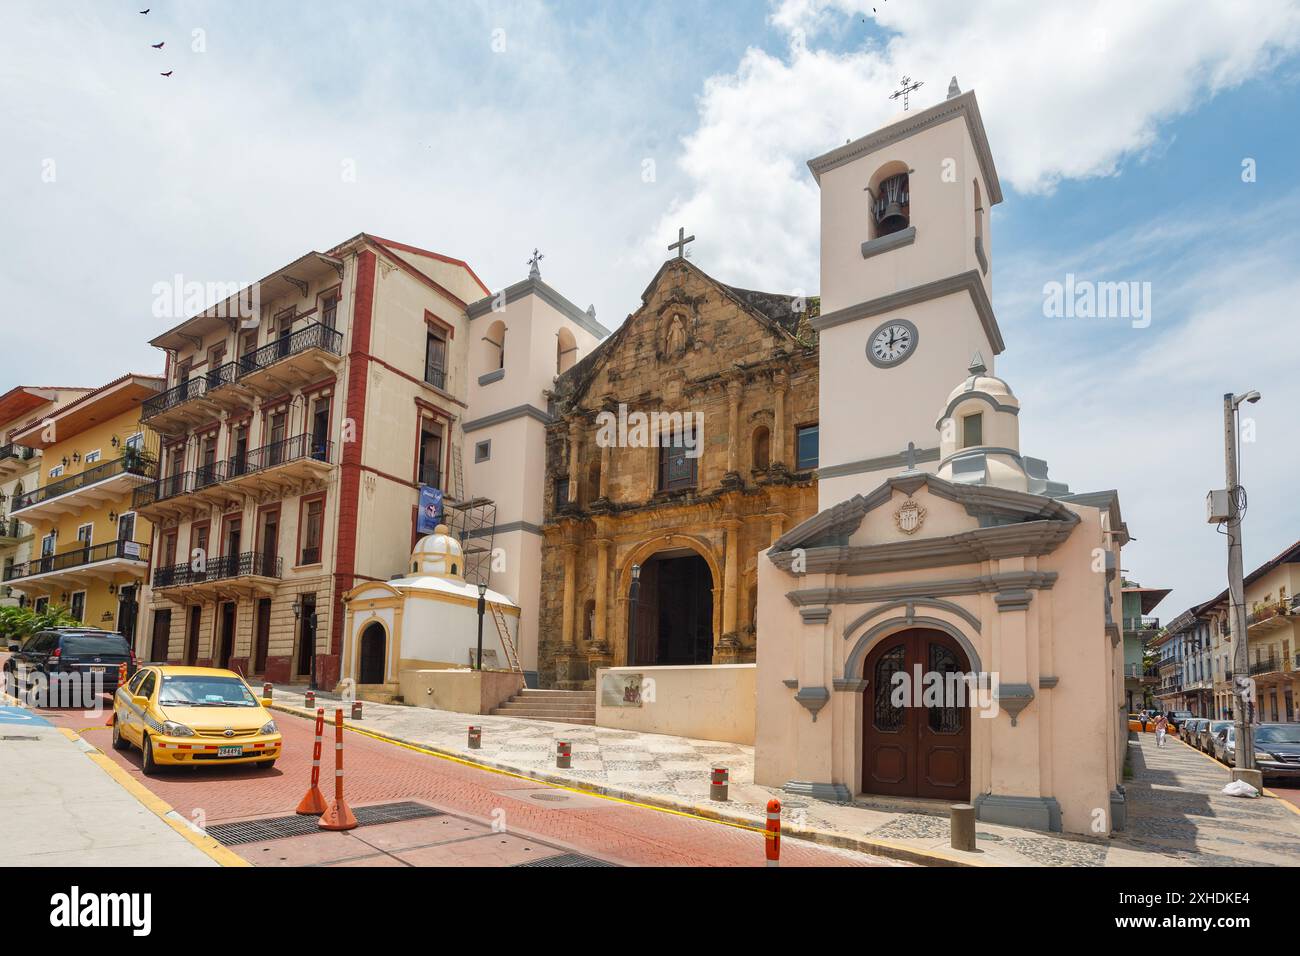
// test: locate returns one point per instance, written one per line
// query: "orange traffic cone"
(314, 801)
(339, 815)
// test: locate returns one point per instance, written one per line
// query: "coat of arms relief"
(909, 517)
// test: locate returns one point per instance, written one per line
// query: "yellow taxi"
(193, 715)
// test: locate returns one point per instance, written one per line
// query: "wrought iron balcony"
(314, 336)
(79, 558)
(161, 490)
(176, 395)
(11, 529)
(221, 568)
(1143, 623)
(13, 452)
(134, 465)
(298, 457)
(1265, 666)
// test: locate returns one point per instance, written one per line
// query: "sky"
(1149, 143)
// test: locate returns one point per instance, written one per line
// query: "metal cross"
(909, 456)
(908, 87)
(680, 244)
(534, 261)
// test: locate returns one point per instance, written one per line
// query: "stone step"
(541, 694)
(520, 706)
(589, 721)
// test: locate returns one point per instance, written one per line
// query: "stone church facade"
(685, 522)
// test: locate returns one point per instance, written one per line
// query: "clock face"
(892, 343)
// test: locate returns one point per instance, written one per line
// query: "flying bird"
(168, 73)
(146, 9)
(157, 46)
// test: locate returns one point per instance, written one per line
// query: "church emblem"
(909, 517)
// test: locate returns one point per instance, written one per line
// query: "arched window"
(762, 445)
(494, 347)
(891, 199)
(566, 351)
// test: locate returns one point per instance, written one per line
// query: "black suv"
(71, 662)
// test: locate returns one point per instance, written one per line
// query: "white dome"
(990, 385)
(438, 555)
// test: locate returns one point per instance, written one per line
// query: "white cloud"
(1067, 92)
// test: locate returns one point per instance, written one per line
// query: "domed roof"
(438, 554)
(982, 382)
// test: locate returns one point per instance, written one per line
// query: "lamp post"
(1244, 758)
(633, 593)
(482, 606)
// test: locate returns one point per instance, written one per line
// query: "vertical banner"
(430, 514)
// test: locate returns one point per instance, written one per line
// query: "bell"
(892, 219)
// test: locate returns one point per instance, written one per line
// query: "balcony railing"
(436, 376)
(18, 452)
(279, 453)
(176, 395)
(247, 564)
(109, 469)
(1265, 666)
(10, 527)
(314, 336)
(222, 375)
(78, 557)
(1142, 623)
(161, 490)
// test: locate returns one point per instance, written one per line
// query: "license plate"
(97, 670)
(230, 751)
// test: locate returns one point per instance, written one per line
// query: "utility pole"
(1244, 762)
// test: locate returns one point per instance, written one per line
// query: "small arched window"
(566, 351)
(494, 347)
(762, 448)
(891, 199)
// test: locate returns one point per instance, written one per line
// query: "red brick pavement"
(378, 771)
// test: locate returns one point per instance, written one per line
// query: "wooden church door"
(916, 747)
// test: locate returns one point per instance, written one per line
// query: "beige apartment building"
(20, 473)
(302, 418)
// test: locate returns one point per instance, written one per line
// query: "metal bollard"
(718, 780)
(772, 835)
(563, 754)
(962, 825)
(309, 700)
(475, 737)
(356, 710)
(267, 687)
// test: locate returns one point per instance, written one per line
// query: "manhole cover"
(277, 828)
(567, 859)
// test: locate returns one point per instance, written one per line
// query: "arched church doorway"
(916, 737)
(370, 667)
(672, 617)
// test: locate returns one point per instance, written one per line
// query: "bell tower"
(905, 287)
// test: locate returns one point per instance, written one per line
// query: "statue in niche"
(676, 341)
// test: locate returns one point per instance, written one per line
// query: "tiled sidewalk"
(1177, 817)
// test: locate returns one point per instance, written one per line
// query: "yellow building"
(91, 554)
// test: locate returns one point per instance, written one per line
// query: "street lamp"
(1245, 751)
(482, 606)
(633, 594)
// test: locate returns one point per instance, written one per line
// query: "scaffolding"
(473, 523)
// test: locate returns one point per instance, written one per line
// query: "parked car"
(1177, 718)
(1205, 739)
(1277, 751)
(1190, 729)
(61, 666)
(193, 715)
(1224, 743)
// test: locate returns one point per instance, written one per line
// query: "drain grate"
(567, 859)
(277, 828)
(17, 737)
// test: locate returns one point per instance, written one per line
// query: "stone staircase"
(562, 706)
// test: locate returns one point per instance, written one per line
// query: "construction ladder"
(503, 631)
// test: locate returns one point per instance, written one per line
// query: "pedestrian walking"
(1162, 725)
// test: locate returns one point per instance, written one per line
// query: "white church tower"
(906, 287)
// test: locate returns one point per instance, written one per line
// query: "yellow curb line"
(159, 807)
(875, 847)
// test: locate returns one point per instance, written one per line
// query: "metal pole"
(631, 631)
(478, 658)
(312, 684)
(1245, 751)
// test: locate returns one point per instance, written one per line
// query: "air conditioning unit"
(1216, 506)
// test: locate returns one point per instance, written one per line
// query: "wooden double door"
(916, 745)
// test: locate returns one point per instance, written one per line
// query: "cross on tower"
(909, 456)
(533, 271)
(680, 244)
(908, 87)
